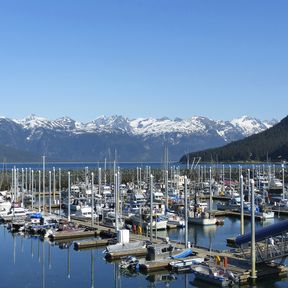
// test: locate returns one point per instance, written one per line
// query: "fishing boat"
(259, 211)
(158, 222)
(202, 218)
(184, 265)
(119, 250)
(213, 275)
(45, 223)
(233, 204)
(109, 219)
(174, 219)
(199, 213)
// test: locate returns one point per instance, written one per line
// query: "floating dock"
(72, 235)
(224, 213)
(133, 252)
(91, 244)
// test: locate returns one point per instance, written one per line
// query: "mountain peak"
(34, 121)
(249, 125)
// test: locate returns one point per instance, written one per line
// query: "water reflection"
(199, 235)
(43, 264)
(14, 249)
(32, 248)
(117, 276)
(68, 263)
(92, 268)
(49, 257)
(161, 276)
(39, 251)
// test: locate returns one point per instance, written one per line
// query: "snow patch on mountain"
(250, 125)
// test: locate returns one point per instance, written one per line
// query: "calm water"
(30, 262)
(124, 165)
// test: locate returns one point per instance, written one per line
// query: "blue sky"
(144, 58)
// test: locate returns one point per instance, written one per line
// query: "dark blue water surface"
(31, 262)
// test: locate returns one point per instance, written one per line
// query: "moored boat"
(119, 250)
(213, 275)
(184, 265)
(202, 219)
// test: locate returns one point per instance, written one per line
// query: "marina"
(185, 253)
(143, 144)
(66, 264)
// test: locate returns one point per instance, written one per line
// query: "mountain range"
(117, 137)
(269, 145)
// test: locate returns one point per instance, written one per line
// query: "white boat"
(185, 265)
(109, 219)
(275, 184)
(268, 214)
(159, 223)
(158, 196)
(265, 214)
(213, 275)
(202, 219)
(231, 193)
(75, 189)
(174, 219)
(5, 206)
(14, 212)
(130, 248)
(40, 225)
(233, 204)
(130, 209)
(85, 212)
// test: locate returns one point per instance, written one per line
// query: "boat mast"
(69, 191)
(92, 199)
(151, 205)
(186, 211)
(210, 193)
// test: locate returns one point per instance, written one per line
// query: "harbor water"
(27, 261)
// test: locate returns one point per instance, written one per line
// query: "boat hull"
(202, 221)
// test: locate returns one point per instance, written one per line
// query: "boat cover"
(183, 254)
(264, 233)
(36, 215)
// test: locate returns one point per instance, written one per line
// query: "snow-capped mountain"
(140, 139)
(148, 126)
